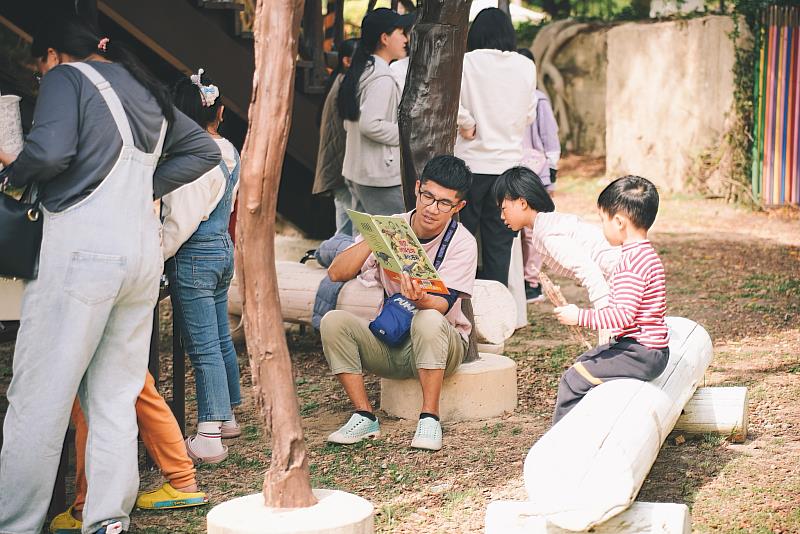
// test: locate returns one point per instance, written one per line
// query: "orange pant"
(159, 431)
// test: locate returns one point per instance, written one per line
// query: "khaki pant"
(350, 346)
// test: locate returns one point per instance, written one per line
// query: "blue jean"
(199, 277)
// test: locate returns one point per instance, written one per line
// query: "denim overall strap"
(217, 223)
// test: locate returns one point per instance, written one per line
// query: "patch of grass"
(389, 516)
(308, 408)
(452, 500)
(251, 433)
(492, 431)
(711, 440)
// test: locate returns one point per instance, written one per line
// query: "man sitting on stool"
(439, 331)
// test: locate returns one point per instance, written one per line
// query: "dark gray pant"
(483, 214)
(377, 200)
(621, 359)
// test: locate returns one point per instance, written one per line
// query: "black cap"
(383, 20)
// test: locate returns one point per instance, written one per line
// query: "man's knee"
(334, 322)
(428, 325)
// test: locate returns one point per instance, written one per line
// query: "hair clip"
(208, 93)
(103, 44)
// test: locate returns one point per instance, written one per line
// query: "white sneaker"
(428, 435)
(355, 430)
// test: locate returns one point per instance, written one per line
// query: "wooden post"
(503, 6)
(276, 30)
(430, 101)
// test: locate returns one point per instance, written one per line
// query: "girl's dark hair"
(521, 182)
(186, 96)
(71, 35)
(492, 29)
(346, 49)
(348, 99)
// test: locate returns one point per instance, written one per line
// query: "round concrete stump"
(481, 389)
(336, 512)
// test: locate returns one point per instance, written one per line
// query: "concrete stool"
(481, 389)
(336, 512)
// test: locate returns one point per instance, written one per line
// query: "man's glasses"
(443, 205)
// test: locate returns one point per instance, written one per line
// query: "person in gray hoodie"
(368, 100)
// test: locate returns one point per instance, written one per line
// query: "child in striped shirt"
(635, 314)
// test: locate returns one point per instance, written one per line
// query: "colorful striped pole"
(776, 108)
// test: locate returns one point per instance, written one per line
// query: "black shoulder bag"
(20, 234)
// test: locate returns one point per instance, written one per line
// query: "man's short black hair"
(633, 196)
(521, 182)
(448, 171)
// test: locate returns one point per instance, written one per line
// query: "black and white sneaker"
(533, 293)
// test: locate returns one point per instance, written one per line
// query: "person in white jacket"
(497, 102)
(199, 264)
(368, 100)
(570, 246)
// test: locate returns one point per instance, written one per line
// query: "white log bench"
(481, 389)
(493, 306)
(512, 517)
(716, 410)
(589, 467)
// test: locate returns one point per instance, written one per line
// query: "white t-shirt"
(457, 270)
(498, 98)
(185, 208)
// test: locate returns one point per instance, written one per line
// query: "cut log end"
(716, 410)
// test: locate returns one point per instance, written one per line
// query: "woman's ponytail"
(348, 99)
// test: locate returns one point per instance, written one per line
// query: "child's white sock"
(208, 441)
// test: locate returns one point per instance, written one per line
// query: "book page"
(409, 253)
(364, 224)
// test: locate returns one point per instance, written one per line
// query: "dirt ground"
(735, 272)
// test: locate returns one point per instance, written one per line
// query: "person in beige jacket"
(368, 100)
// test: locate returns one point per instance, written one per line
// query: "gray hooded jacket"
(372, 154)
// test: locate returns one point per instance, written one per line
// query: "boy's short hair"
(633, 196)
(521, 182)
(448, 171)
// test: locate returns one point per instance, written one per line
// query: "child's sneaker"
(533, 293)
(356, 429)
(428, 435)
(65, 523)
(166, 498)
(114, 527)
(230, 430)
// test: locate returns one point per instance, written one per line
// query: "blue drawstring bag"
(393, 324)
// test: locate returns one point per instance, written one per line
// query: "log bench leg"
(716, 410)
(512, 517)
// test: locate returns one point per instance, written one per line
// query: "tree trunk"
(429, 106)
(504, 7)
(276, 30)
(430, 101)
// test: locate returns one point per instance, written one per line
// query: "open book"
(397, 249)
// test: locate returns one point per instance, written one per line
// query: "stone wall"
(577, 87)
(669, 97)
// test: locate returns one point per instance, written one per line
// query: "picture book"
(397, 249)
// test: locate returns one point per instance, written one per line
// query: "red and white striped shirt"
(638, 300)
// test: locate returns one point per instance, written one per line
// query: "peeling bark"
(276, 29)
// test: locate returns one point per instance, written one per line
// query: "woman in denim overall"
(87, 318)
(199, 276)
